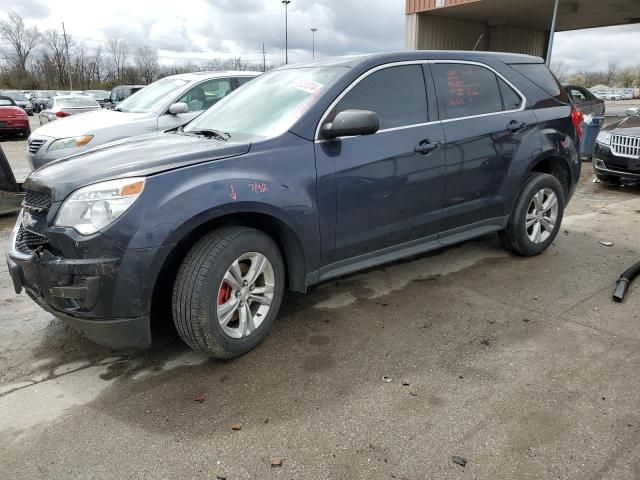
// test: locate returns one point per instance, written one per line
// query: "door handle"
(515, 126)
(425, 147)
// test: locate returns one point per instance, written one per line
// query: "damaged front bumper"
(106, 294)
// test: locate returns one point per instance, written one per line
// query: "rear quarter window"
(540, 75)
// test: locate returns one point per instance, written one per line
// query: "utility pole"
(313, 33)
(286, 30)
(552, 33)
(264, 59)
(66, 46)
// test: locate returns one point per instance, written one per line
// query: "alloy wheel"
(542, 215)
(245, 295)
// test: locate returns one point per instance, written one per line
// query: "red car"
(13, 119)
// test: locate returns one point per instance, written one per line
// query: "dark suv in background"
(307, 173)
(119, 94)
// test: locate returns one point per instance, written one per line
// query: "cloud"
(211, 28)
(28, 9)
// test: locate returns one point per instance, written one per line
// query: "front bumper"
(106, 294)
(608, 164)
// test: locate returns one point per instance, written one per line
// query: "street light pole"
(286, 30)
(552, 33)
(313, 33)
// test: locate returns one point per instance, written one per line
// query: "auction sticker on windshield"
(306, 85)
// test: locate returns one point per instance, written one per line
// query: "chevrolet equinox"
(307, 173)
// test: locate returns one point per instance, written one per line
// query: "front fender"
(274, 180)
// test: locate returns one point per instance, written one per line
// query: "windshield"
(76, 102)
(16, 96)
(152, 97)
(268, 105)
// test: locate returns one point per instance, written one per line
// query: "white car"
(167, 103)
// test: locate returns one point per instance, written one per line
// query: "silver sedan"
(61, 107)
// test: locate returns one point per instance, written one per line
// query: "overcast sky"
(201, 29)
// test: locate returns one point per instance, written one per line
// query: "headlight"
(70, 143)
(94, 207)
(604, 138)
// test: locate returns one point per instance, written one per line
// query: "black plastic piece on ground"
(624, 281)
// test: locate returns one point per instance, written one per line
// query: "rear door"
(388, 191)
(485, 125)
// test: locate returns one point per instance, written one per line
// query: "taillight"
(62, 114)
(577, 118)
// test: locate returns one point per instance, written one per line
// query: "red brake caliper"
(224, 294)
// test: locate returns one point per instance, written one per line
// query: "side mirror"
(178, 108)
(350, 123)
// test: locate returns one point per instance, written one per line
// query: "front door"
(389, 186)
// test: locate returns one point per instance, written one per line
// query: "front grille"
(624, 146)
(27, 242)
(36, 200)
(35, 145)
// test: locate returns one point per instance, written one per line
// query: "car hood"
(139, 156)
(628, 126)
(92, 123)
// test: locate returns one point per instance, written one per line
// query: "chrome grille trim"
(625, 146)
(35, 145)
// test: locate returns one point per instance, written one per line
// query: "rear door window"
(397, 94)
(467, 90)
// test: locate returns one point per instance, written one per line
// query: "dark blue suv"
(306, 173)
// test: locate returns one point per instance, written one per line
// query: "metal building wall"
(442, 33)
(507, 38)
(429, 32)
(415, 6)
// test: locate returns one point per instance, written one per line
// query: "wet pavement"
(523, 367)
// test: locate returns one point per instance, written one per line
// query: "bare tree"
(118, 48)
(561, 71)
(146, 61)
(55, 49)
(19, 41)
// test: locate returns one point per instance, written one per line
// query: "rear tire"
(536, 217)
(228, 291)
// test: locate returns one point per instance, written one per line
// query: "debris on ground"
(200, 398)
(606, 243)
(276, 462)
(386, 379)
(405, 384)
(413, 393)
(235, 426)
(459, 460)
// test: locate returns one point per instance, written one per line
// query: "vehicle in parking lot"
(39, 99)
(307, 173)
(585, 101)
(168, 103)
(617, 152)
(120, 94)
(610, 95)
(100, 96)
(62, 107)
(20, 100)
(13, 119)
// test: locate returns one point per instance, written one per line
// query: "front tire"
(228, 291)
(536, 217)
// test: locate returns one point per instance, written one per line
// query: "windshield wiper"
(119, 109)
(210, 133)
